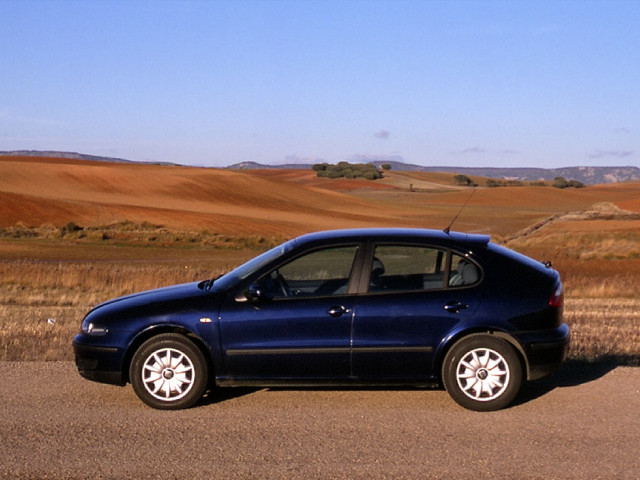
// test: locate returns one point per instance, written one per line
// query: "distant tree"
(347, 170)
(514, 183)
(371, 175)
(462, 180)
(386, 166)
(333, 173)
(504, 183)
(560, 182)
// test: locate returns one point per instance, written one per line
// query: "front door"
(300, 326)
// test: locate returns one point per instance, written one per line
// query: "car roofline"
(389, 234)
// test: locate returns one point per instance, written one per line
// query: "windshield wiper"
(207, 284)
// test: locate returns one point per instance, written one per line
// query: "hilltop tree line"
(558, 182)
(349, 170)
(371, 172)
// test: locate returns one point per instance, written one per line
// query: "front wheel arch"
(159, 330)
(168, 371)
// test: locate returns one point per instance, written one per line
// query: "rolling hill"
(276, 202)
(586, 175)
(591, 175)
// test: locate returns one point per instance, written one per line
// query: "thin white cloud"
(477, 150)
(293, 158)
(369, 157)
(473, 150)
(382, 134)
(610, 153)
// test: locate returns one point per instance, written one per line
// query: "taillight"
(557, 299)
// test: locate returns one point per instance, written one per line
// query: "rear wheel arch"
(483, 371)
(450, 343)
(520, 351)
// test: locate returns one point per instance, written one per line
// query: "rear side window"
(398, 268)
(404, 268)
(463, 272)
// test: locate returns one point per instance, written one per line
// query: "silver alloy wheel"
(483, 374)
(168, 374)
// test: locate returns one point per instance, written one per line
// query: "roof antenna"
(448, 229)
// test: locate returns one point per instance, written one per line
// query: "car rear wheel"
(169, 372)
(482, 373)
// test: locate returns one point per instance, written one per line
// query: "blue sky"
(460, 83)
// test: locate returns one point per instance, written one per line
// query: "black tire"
(482, 373)
(169, 372)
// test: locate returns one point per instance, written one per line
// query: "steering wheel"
(281, 283)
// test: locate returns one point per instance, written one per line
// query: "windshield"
(246, 269)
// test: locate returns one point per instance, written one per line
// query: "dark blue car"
(350, 307)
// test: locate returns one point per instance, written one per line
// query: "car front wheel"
(168, 372)
(482, 373)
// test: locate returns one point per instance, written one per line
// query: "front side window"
(398, 268)
(322, 272)
(246, 269)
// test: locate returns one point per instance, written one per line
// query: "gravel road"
(584, 423)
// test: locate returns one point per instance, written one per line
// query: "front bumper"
(98, 363)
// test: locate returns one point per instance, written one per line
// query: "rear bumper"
(98, 363)
(545, 351)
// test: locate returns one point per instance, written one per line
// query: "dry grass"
(44, 303)
(47, 286)
(604, 330)
(603, 315)
(26, 333)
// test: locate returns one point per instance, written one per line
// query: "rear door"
(408, 310)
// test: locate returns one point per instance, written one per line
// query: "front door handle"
(455, 307)
(337, 311)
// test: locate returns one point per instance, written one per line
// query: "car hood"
(181, 297)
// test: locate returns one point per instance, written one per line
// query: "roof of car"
(391, 234)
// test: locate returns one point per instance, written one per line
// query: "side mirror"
(253, 294)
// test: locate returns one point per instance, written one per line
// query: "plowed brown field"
(40, 190)
(37, 191)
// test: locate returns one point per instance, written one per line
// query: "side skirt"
(354, 382)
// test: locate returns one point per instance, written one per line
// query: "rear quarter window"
(517, 274)
(517, 257)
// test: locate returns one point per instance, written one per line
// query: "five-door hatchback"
(349, 307)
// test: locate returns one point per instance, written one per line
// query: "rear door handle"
(337, 311)
(455, 307)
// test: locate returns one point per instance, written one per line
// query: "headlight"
(91, 328)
